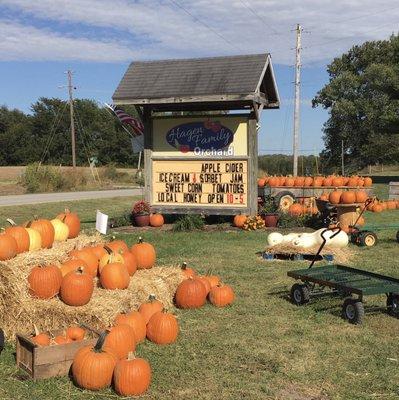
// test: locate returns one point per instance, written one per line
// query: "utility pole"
(297, 98)
(342, 158)
(70, 90)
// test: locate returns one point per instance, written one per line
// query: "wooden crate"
(47, 361)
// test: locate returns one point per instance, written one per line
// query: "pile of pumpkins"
(345, 197)
(38, 234)
(74, 280)
(298, 209)
(248, 223)
(112, 360)
(316, 181)
(383, 205)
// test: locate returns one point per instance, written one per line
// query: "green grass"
(262, 347)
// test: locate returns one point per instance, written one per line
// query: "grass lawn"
(262, 347)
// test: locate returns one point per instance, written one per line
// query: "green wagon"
(340, 280)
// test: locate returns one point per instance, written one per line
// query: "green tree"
(362, 97)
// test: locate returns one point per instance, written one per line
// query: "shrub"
(42, 178)
(189, 222)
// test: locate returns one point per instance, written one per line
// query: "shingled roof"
(238, 80)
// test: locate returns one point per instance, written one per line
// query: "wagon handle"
(366, 203)
(324, 242)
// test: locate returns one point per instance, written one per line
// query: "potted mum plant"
(269, 213)
(141, 213)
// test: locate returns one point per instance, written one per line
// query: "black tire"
(299, 294)
(393, 304)
(284, 199)
(367, 239)
(353, 311)
(397, 236)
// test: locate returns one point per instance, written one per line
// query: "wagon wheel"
(368, 239)
(299, 294)
(284, 200)
(353, 311)
(393, 304)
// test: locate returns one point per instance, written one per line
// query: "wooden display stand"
(198, 157)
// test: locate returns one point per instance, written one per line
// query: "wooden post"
(252, 166)
(148, 140)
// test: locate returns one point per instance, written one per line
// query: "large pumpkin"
(239, 220)
(61, 230)
(73, 222)
(132, 377)
(335, 197)
(35, 240)
(144, 253)
(21, 237)
(76, 288)
(361, 196)
(74, 265)
(156, 220)
(8, 247)
(117, 246)
(114, 276)
(46, 231)
(149, 308)
(121, 340)
(135, 320)
(162, 328)
(129, 260)
(88, 257)
(348, 197)
(109, 258)
(93, 367)
(191, 293)
(295, 210)
(44, 281)
(221, 295)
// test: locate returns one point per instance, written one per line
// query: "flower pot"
(141, 219)
(270, 220)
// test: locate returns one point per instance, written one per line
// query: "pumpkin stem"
(131, 355)
(98, 348)
(67, 211)
(36, 330)
(152, 297)
(184, 266)
(140, 239)
(108, 249)
(11, 222)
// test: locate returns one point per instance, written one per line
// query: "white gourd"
(274, 238)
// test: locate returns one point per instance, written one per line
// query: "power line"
(205, 24)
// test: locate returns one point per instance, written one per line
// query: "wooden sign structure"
(198, 156)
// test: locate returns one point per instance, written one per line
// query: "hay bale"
(19, 311)
(341, 255)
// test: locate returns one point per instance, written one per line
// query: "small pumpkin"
(361, 196)
(46, 231)
(76, 288)
(187, 272)
(21, 236)
(191, 293)
(317, 181)
(221, 295)
(239, 220)
(117, 246)
(144, 253)
(335, 197)
(61, 230)
(327, 181)
(295, 210)
(136, 320)
(299, 181)
(74, 265)
(35, 240)
(162, 328)
(213, 280)
(121, 340)
(109, 258)
(61, 339)
(289, 181)
(132, 377)
(93, 367)
(273, 181)
(367, 181)
(44, 281)
(72, 220)
(377, 207)
(156, 220)
(8, 247)
(41, 339)
(150, 307)
(114, 276)
(75, 333)
(261, 182)
(88, 257)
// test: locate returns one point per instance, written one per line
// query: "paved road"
(18, 200)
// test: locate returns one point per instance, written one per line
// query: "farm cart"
(340, 280)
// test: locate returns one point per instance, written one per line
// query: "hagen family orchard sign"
(200, 163)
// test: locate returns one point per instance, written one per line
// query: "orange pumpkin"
(61, 339)
(337, 181)
(299, 181)
(162, 328)
(76, 288)
(361, 196)
(132, 377)
(213, 280)
(114, 276)
(324, 196)
(348, 197)
(75, 333)
(352, 181)
(41, 339)
(273, 181)
(289, 181)
(21, 237)
(93, 367)
(156, 220)
(335, 197)
(239, 220)
(327, 181)
(367, 181)
(295, 210)
(121, 340)
(72, 220)
(117, 246)
(109, 258)
(317, 181)
(98, 251)
(308, 181)
(221, 295)
(377, 207)
(205, 282)
(88, 257)
(135, 320)
(391, 205)
(129, 260)
(46, 230)
(190, 293)
(8, 247)
(187, 272)
(74, 265)
(148, 309)
(144, 253)
(261, 182)
(44, 281)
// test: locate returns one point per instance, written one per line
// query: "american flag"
(127, 119)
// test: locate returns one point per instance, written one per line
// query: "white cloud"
(159, 28)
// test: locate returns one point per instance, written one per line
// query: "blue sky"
(97, 39)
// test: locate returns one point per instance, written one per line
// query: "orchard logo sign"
(200, 137)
